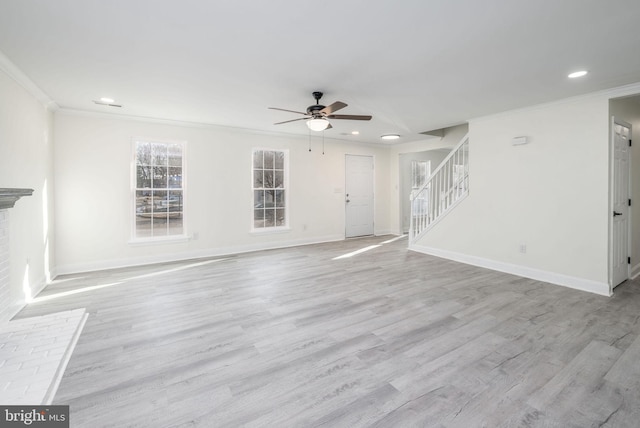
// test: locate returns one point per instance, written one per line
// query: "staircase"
(443, 190)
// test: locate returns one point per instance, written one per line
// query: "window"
(269, 189)
(420, 171)
(158, 189)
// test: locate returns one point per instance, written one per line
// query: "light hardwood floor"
(386, 338)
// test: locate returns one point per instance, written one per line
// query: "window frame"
(287, 212)
(135, 240)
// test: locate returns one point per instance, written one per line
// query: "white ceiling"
(415, 65)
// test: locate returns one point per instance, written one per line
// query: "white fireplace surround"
(8, 198)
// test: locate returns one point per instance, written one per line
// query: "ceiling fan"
(317, 115)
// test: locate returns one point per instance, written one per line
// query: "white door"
(359, 195)
(619, 234)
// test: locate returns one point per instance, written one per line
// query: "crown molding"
(623, 91)
(605, 94)
(11, 70)
(198, 125)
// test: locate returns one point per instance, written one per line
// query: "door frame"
(615, 121)
(373, 190)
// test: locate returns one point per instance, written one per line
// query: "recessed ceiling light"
(577, 74)
(107, 100)
(104, 103)
(390, 137)
(355, 132)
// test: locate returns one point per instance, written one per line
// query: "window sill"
(159, 241)
(270, 230)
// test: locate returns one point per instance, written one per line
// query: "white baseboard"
(19, 305)
(188, 255)
(582, 284)
(635, 271)
(384, 232)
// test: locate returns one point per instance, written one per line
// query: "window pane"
(268, 160)
(143, 227)
(257, 159)
(175, 177)
(143, 153)
(268, 179)
(159, 203)
(279, 198)
(269, 218)
(143, 177)
(279, 160)
(258, 198)
(143, 201)
(159, 154)
(269, 198)
(175, 224)
(279, 179)
(160, 224)
(175, 203)
(257, 178)
(160, 211)
(175, 155)
(280, 214)
(159, 177)
(258, 218)
(144, 211)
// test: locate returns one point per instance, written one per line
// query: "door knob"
(347, 200)
(616, 213)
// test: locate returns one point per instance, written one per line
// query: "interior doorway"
(626, 110)
(620, 255)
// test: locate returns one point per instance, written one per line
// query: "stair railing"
(443, 189)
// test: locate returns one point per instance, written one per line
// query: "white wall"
(93, 203)
(25, 162)
(628, 109)
(550, 195)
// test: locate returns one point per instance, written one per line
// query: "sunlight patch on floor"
(355, 253)
(370, 247)
(97, 287)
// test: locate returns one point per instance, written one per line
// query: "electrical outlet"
(523, 248)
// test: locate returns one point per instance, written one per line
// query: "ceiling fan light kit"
(318, 124)
(317, 114)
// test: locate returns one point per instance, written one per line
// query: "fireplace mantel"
(9, 197)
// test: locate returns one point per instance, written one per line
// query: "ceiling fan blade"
(290, 111)
(349, 116)
(333, 107)
(292, 120)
